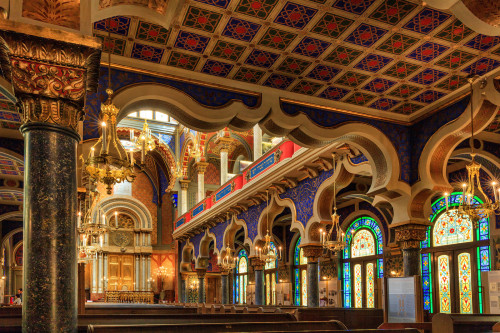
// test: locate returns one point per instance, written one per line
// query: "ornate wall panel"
(65, 13)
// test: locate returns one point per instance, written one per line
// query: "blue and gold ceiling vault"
(325, 48)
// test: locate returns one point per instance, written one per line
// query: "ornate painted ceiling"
(395, 56)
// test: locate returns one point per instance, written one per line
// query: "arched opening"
(363, 263)
(241, 278)
(454, 254)
(271, 278)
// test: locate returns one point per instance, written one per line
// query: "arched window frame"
(481, 235)
(363, 222)
(300, 274)
(239, 290)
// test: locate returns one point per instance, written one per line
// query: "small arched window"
(241, 280)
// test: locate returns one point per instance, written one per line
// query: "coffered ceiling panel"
(395, 55)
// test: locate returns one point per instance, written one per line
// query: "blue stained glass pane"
(380, 268)
(237, 299)
(297, 287)
(347, 285)
(484, 259)
(296, 256)
(427, 281)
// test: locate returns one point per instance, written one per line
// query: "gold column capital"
(312, 252)
(184, 183)
(410, 235)
(51, 72)
(201, 167)
(257, 263)
(201, 272)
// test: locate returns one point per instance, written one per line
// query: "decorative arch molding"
(490, 162)
(11, 216)
(230, 234)
(14, 251)
(124, 203)
(323, 200)
(269, 213)
(440, 146)
(230, 110)
(204, 249)
(187, 256)
(9, 235)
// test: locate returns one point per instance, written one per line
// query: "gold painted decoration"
(65, 13)
(159, 6)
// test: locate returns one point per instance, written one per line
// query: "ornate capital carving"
(312, 252)
(224, 272)
(201, 272)
(201, 167)
(51, 73)
(257, 264)
(184, 183)
(409, 236)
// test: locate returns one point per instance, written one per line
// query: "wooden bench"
(353, 318)
(463, 323)
(422, 327)
(408, 330)
(221, 327)
(14, 323)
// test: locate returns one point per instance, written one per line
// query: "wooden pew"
(221, 327)
(424, 327)
(14, 323)
(463, 323)
(353, 318)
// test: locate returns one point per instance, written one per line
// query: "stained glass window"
(300, 275)
(439, 206)
(297, 286)
(273, 288)
(483, 258)
(465, 283)
(304, 287)
(242, 266)
(240, 282)
(363, 244)
(444, 283)
(268, 289)
(452, 228)
(363, 223)
(380, 268)
(272, 264)
(427, 281)
(347, 285)
(358, 288)
(370, 285)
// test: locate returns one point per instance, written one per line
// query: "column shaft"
(257, 142)
(259, 287)
(411, 261)
(223, 166)
(201, 289)
(184, 196)
(312, 284)
(50, 196)
(183, 291)
(201, 187)
(224, 288)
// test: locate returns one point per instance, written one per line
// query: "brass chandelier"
(145, 142)
(108, 162)
(228, 262)
(334, 240)
(91, 233)
(469, 206)
(268, 253)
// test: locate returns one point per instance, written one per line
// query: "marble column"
(409, 236)
(224, 278)
(137, 272)
(312, 253)
(105, 271)
(223, 165)
(201, 284)
(200, 169)
(258, 266)
(183, 289)
(51, 88)
(184, 197)
(257, 142)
